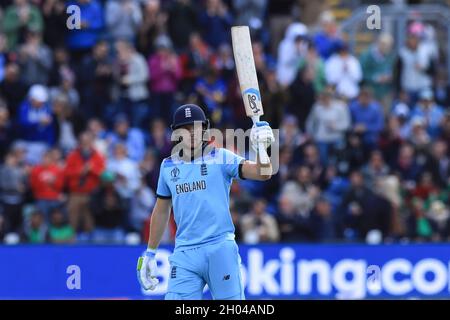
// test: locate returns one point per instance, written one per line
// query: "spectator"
(12, 89)
(165, 73)
(149, 168)
(126, 171)
(63, 79)
(343, 70)
(3, 56)
(327, 124)
(294, 227)
(250, 13)
(68, 122)
(418, 135)
(131, 76)
(362, 211)
(19, 17)
(406, 165)
(35, 59)
(377, 63)
(322, 222)
(96, 81)
(80, 41)
(98, 130)
(439, 163)
(376, 168)
(327, 39)
(132, 138)
(215, 22)
(420, 227)
(82, 172)
(367, 118)
(122, 19)
(141, 206)
(274, 95)
(258, 225)
(427, 109)
(47, 182)
(439, 216)
(290, 51)
(193, 61)
(37, 232)
(301, 192)
(211, 90)
(59, 231)
(108, 211)
(55, 21)
(182, 22)
(159, 139)
(7, 134)
(12, 192)
(152, 26)
(412, 68)
(36, 122)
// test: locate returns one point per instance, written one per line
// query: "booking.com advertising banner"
(282, 271)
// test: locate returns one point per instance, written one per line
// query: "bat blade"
(245, 67)
(248, 80)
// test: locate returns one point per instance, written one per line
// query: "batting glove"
(261, 133)
(146, 270)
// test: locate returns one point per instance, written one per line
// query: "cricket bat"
(248, 81)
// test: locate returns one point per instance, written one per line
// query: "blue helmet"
(188, 114)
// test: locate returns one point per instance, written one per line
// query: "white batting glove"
(261, 133)
(146, 270)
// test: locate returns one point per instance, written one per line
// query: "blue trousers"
(217, 265)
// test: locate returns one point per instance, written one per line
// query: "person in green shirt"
(37, 233)
(20, 17)
(377, 63)
(60, 231)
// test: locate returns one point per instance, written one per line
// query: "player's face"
(192, 135)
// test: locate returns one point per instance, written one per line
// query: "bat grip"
(262, 152)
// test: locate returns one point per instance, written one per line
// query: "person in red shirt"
(47, 183)
(84, 166)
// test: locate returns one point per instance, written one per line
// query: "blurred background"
(363, 115)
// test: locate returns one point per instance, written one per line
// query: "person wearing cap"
(35, 117)
(196, 180)
(165, 73)
(427, 109)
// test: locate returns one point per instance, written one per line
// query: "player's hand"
(146, 270)
(261, 134)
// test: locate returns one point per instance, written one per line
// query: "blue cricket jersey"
(200, 193)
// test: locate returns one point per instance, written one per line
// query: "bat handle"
(262, 152)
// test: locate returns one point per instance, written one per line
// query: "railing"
(395, 19)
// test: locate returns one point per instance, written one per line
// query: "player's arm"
(256, 171)
(159, 221)
(146, 267)
(261, 135)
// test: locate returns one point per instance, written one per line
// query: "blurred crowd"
(86, 104)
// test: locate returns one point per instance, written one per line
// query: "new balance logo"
(203, 169)
(187, 112)
(173, 273)
(227, 277)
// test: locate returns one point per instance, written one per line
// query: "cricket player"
(198, 188)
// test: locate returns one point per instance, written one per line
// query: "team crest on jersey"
(175, 174)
